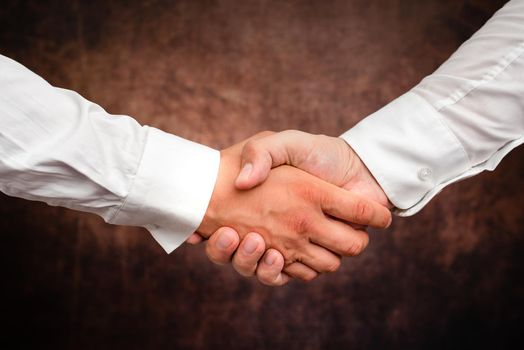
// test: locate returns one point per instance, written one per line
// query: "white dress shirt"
(57, 147)
(459, 121)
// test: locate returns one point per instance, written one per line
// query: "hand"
(329, 158)
(289, 212)
(251, 256)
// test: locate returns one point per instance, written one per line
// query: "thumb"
(261, 153)
(258, 157)
(256, 164)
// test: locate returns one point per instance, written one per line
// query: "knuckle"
(290, 259)
(300, 222)
(244, 267)
(241, 264)
(292, 133)
(363, 211)
(250, 148)
(215, 257)
(333, 266)
(268, 277)
(244, 270)
(308, 193)
(264, 134)
(289, 255)
(268, 281)
(307, 277)
(216, 260)
(353, 248)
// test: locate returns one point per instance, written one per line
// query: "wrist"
(362, 181)
(224, 189)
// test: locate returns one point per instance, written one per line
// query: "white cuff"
(172, 188)
(409, 150)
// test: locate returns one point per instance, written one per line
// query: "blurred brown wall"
(217, 72)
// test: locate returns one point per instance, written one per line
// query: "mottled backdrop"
(217, 72)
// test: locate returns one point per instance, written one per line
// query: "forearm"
(457, 122)
(59, 148)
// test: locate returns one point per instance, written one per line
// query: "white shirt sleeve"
(459, 121)
(57, 147)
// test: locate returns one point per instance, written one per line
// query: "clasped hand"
(296, 220)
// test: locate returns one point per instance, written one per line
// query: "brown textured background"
(217, 72)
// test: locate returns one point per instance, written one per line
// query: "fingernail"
(250, 246)
(224, 241)
(246, 171)
(270, 259)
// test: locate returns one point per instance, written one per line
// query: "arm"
(303, 217)
(459, 121)
(59, 148)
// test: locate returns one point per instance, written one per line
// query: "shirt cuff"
(409, 150)
(172, 188)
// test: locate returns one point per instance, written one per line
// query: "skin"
(298, 217)
(329, 158)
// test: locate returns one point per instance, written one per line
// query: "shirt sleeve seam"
(464, 91)
(446, 126)
(491, 74)
(132, 184)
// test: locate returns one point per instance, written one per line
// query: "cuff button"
(425, 174)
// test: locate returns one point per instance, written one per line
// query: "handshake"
(297, 220)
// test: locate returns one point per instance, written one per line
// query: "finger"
(249, 252)
(269, 270)
(350, 207)
(259, 155)
(300, 271)
(319, 259)
(339, 237)
(256, 164)
(195, 238)
(221, 245)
